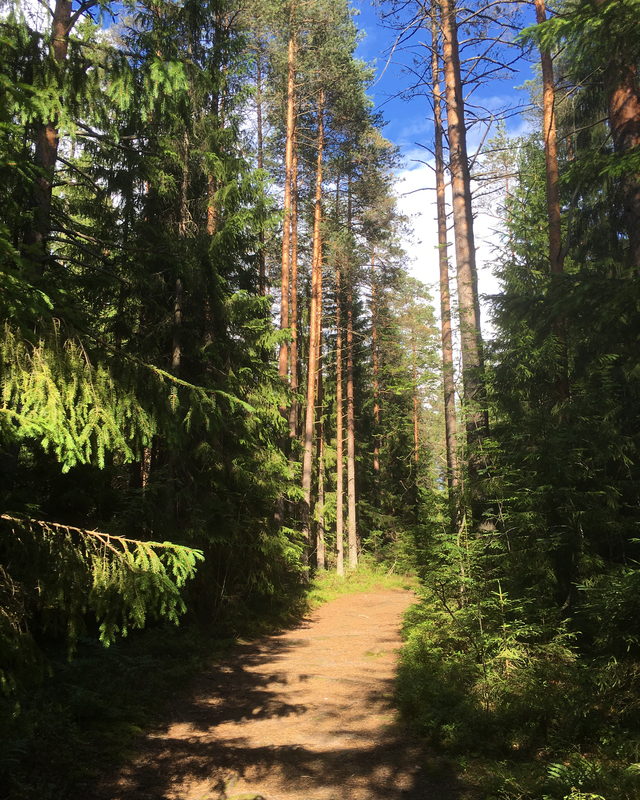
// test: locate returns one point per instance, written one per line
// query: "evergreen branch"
(106, 539)
(93, 255)
(199, 390)
(75, 168)
(121, 579)
(93, 267)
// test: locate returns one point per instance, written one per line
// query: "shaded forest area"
(219, 380)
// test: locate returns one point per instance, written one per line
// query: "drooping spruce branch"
(62, 571)
(51, 391)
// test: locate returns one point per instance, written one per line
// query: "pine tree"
(468, 300)
(453, 478)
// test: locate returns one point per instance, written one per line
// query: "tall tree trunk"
(551, 152)
(553, 195)
(339, 434)
(262, 266)
(286, 231)
(376, 382)
(314, 337)
(623, 99)
(507, 202)
(451, 425)
(183, 224)
(352, 531)
(351, 436)
(176, 348)
(46, 151)
(283, 356)
(624, 121)
(320, 545)
(293, 411)
(212, 188)
(468, 300)
(416, 438)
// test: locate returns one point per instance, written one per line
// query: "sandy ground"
(306, 714)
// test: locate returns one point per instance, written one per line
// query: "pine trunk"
(320, 545)
(176, 349)
(351, 438)
(283, 356)
(314, 320)
(553, 195)
(624, 121)
(623, 98)
(468, 301)
(212, 188)
(450, 421)
(376, 384)
(339, 435)
(416, 439)
(46, 152)
(293, 411)
(183, 223)
(286, 229)
(262, 266)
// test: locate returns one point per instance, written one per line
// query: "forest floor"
(305, 714)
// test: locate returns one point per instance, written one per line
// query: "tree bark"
(351, 437)
(468, 301)
(451, 425)
(262, 266)
(46, 152)
(293, 411)
(211, 205)
(283, 356)
(339, 434)
(376, 383)
(286, 230)
(314, 320)
(320, 545)
(183, 225)
(176, 348)
(556, 260)
(416, 439)
(623, 99)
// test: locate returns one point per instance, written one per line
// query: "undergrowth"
(368, 577)
(525, 712)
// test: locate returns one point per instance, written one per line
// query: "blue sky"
(408, 124)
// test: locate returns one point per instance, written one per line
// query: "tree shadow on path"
(243, 727)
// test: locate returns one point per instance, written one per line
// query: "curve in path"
(302, 715)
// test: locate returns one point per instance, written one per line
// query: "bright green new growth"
(51, 392)
(66, 571)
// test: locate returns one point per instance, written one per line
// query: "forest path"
(306, 714)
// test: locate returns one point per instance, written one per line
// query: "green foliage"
(509, 693)
(522, 659)
(598, 30)
(55, 573)
(52, 393)
(370, 576)
(101, 432)
(91, 712)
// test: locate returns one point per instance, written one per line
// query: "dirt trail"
(303, 715)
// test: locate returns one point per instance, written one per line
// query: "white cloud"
(417, 200)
